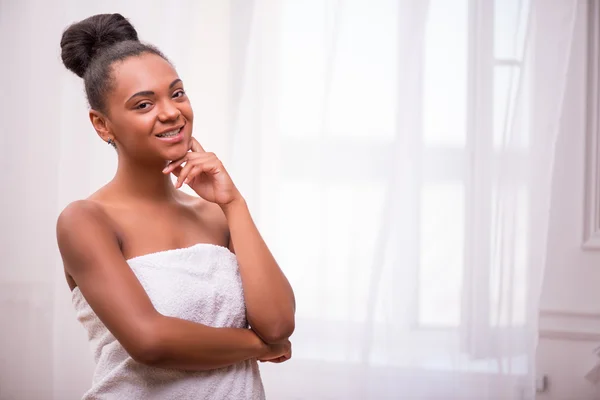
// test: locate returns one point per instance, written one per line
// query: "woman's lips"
(173, 139)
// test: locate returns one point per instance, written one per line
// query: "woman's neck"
(143, 180)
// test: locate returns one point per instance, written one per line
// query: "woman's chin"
(175, 153)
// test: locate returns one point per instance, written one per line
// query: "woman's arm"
(91, 255)
(270, 304)
(269, 297)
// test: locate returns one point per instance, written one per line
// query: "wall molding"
(591, 234)
(570, 326)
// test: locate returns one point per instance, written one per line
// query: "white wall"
(28, 86)
(570, 305)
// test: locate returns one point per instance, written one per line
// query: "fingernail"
(166, 169)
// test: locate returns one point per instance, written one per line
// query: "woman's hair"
(90, 47)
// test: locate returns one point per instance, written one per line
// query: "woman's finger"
(174, 164)
(187, 158)
(210, 166)
(196, 146)
(183, 174)
(279, 360)
(177, 171)
(198, 166)
(195, 171)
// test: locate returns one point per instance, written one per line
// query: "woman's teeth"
(170, 134)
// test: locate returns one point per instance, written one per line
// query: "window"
(343, 126)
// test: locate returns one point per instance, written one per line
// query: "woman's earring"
(111, 142)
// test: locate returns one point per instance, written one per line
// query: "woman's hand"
(205, 174)
(277, 352)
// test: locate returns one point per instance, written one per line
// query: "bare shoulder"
(205, 209)
(81, 207)
(78, 215)
(83, 229)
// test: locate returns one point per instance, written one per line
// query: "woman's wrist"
(239, 203)
(259, 347)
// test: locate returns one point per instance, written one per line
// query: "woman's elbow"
(279, 332)
(146, 346)
(146, 350)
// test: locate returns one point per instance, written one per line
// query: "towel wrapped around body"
(201, 284)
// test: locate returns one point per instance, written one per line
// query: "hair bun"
(82, 41)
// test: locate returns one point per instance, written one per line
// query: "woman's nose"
(169, 112)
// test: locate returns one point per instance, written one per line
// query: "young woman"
(179, 294)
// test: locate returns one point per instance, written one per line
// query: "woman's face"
(149, 113)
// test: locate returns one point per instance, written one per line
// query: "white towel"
(200, 284)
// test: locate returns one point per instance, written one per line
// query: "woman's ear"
(100, 124)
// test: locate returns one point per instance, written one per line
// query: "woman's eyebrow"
(151, 93)
(142, 93)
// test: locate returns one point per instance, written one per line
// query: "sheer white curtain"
(399, 155)
(396, 154)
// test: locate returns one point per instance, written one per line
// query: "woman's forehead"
(147, 72)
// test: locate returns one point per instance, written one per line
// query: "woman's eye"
(142, 106)
(178, 93)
